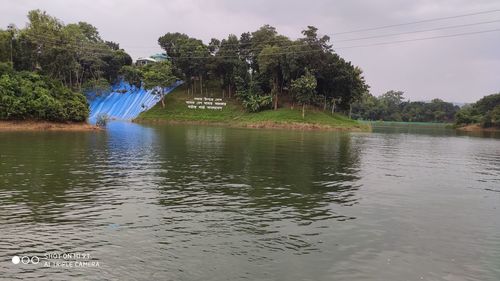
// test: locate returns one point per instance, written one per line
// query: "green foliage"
(102, 120)
(6, 68)
(495, 116)
(151, 76)
(467, 115)
(304, 88)
(233, 114)
(392, 106)
(5, 43)
(485, 111)
(98, 86)
(72, 54)
(487, 103)
(256, 103)
(31, 96)
(158, 75)
(251, 98)
(132, 74)
(181, 48)
(268, 60)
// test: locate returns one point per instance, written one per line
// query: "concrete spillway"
(124, 102)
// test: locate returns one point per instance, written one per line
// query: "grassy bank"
(176, 111)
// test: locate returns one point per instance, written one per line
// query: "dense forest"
(485, 111)
(263, 69)
(46, 66)
(392, 106)
(27, 95)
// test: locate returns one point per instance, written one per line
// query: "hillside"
(176, 111)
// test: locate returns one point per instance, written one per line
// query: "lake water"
(144, 202)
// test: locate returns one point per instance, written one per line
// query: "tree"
(269, 61)
(392, 106)
(73, 53)
(485, 111)
(5, 45)
(99, 86)
(227, 63)
(25, 95)
(132, 74)
(158, 75)
(304, 89)
(189, 56)
(495, 116)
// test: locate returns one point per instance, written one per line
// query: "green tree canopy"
(303, 89)
(159, 75)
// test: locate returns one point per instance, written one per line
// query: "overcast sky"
(459, 69)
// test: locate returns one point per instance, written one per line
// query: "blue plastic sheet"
(124, 102)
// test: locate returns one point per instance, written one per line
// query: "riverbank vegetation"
(260, 72)
(485, 113)
(47, 65)
(392, 106)
(28, 95)
(233, 114)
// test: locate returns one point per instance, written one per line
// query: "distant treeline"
(485, 111)
(392, 106)
(47, 65)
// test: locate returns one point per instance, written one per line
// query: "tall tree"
(158, 76)
(189, 55)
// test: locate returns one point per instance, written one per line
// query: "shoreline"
(259, 125)
(46, 126)
(177, 111)
(476, 128)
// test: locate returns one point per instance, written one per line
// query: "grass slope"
(233, 114)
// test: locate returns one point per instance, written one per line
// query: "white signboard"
(206, 103)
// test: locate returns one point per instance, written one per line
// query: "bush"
(485, 111)
(495, 116)
(255, 103)
(251, 97)
(25, 95)
(102, 120)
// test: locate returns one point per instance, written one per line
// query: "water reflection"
(212, 203)
(266, 170)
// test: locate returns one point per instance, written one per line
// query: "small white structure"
(144, 61)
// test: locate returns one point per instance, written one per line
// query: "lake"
(176, 202)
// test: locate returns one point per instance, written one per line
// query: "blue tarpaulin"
(124, 102)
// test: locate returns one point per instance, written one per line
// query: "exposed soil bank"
(45, 126)
(477, 128)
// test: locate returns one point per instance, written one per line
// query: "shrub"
(26, 95)
(102, 120)
(255, 103)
